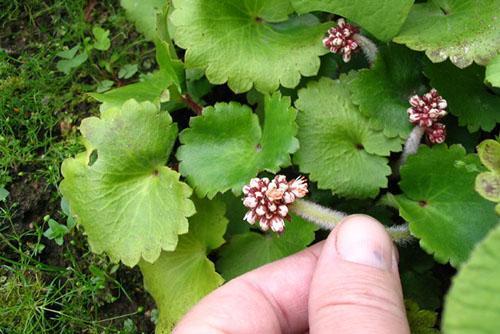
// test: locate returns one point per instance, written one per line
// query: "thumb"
(355, 287)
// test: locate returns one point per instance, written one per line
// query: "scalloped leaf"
(225, 147)
(467, 96)
(250, 250)
(338, 148)
(472, 304)
(440, 203)
(492, 75)
(489, 153)
(382, 19)
(144, 14)
(130, 204)
(179, 279)
(462, 30)
(248, 43)
(382, 92)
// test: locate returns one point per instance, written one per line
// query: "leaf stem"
(326, 219)
(188, 101)
(369, 48)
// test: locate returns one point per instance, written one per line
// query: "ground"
(46, 287)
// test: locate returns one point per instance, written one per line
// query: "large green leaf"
(382, 92)
(337, 145)
(468, 98)
(250, 250)
(248, 43)
(492, 75)
(144, 14)
(225, 147)
(440, 203)
(383, 18)
(179, 279)
(463, 30)
(472, 305)
(128, 202)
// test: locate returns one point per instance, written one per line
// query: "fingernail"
(363, 240)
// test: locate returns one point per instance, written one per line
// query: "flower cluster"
(426, 111)
(341, 40)
(268, 200)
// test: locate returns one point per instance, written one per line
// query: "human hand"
(348, 283)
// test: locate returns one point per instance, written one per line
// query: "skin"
(348, 283)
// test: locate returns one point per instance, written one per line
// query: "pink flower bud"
(340, 39)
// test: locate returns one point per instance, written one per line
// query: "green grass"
(45, 288)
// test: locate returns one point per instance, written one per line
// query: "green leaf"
(104, 85)
(101, 36)
(128, 202)
(225, 147)
(66, 65)
(248, 43)
(179, 279)
(152, 87)
(250, 250)
(69, 54)
(382, 92)
(128, 71)
(472, 305)
(421, 321)
(489, 153)
(56, 232)
(467, 96)
(383, 19)
(144, 14)
(488, 186)
(440, 203)
(463, 30)
(492, 75)
(3, 194)
(338, 148)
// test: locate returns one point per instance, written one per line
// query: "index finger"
(270, 299)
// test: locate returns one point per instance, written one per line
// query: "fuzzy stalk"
(411, 145)
(369, 48)
(327, 219)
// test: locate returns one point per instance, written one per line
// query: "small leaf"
(382, 92)
(225, 147)
(101, 36)
(130, 204)
(56, 232)
(128, 71)
(247, 44)
(463, 30)
(250, 250)
(488, 186)
(69, 54)
(383, 19)
(467, 96)
(3, 194)
(338, 148)
(440, 203)
(421, 321)
(66, 65)
(152, 87)
(489, 153)
(179, 279)
(492, 75)
(104, 85)
(472, 304)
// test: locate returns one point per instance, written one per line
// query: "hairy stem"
(327, 219)
(369, 48)
(411, 145)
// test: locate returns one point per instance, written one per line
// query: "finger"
(270, 299)
(356, 288)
